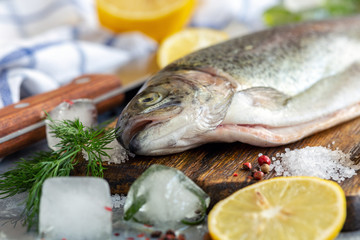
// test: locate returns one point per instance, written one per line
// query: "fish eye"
(150, 98)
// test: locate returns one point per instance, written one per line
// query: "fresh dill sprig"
(30, 174)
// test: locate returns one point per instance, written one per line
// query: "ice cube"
(165, 196)
(75, 208)
(83, 109)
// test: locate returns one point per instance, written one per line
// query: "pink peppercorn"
(181, 237)
(264, 159)
(258, 175)
(250, 177)
(247, 166)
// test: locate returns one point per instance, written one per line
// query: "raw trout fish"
(268, 88)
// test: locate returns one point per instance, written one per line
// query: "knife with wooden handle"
(22, 123)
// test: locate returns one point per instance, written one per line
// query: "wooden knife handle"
(15, 117)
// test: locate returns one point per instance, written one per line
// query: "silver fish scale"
(289, 59)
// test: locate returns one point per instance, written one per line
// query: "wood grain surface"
(15, 117)
(212, 166)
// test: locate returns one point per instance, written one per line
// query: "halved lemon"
(187, 41)
(155, 18)
(281, 208)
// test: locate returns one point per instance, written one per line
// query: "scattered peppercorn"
(250, 177)
(258, 175)
(247, 166)
(265, 168)
(169, 235)
(155, 234)
(254, 170)
(170, 232)
(181, 237)
(264, 159)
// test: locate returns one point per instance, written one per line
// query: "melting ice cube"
(83, 109)
(75, 208)
(165, 196)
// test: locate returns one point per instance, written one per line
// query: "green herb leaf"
(279, 14)
(30, 174)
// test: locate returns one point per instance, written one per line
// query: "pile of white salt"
(117, 154)
(315, 161)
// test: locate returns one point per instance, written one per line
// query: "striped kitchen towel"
(46, 43)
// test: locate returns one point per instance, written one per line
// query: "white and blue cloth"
(44, 44)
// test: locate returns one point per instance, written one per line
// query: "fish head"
(172, 111)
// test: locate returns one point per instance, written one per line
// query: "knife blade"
(22, 123)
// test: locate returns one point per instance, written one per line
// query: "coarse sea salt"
(117, 153)
(118, 200)
(315, 161)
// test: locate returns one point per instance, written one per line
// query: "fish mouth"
(137, 135)
(130, 131)
(138, 127)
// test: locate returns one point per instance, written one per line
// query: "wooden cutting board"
(212, 166)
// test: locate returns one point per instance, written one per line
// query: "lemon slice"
(155, 18)
(281, 208)
(187, 41)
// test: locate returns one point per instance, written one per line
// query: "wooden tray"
(212, 166)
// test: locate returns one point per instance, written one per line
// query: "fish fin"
(266, 97)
